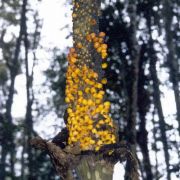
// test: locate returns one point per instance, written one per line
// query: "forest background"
(143, 81)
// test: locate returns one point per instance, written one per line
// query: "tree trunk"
(143, 107)
(29, 94)
(94, 169)
(158, 106)
(133, 92)
(13, 67)
(156, 173)
(171, 60)
(156, 90)
(90, 167)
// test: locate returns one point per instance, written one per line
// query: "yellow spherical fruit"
(80, 100)
(99, 96)
(92, 141)
(75, 133)
(79, 45)
(69, 110)
(90, 127)
(94, 131)
(90, 102)
(87, 81)
(98, 101)
(88, 37)
(67, 100)
(107, 103)
(72, 50)
(101, 122)
(87, 90)
(74, 15)
(104, 65)
(74, 75)
(93, 90)
(80, 93)
(101, 92)
(91, 83)
(104, 46)
(103, 51)
(99, 143)
(74, 55)
(84, 101)
(104, 55)
(97, 148)
(77, 71)
(95, 75)
(73, 139)
(100, 40)
(102, 34)
(107, 120)
(95, 39)
(99, 85)
(93, 35)
(96, 45)
(99, 49)
(104, 81)
(110, 124)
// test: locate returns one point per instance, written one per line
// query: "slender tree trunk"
(29, 81)
(143, 143)
(158, 106)
(143, 107)
(156, 90)
(156, 174)
(172, 61)
(13, 67)
(23, 159)
(133, 95)
(3, 158)
(28, 118)
(10, 125)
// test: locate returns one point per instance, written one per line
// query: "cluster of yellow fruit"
(98, 42)
(89, 123)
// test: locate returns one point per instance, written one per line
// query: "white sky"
(56, 15)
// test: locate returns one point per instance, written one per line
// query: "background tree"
(16, 49)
